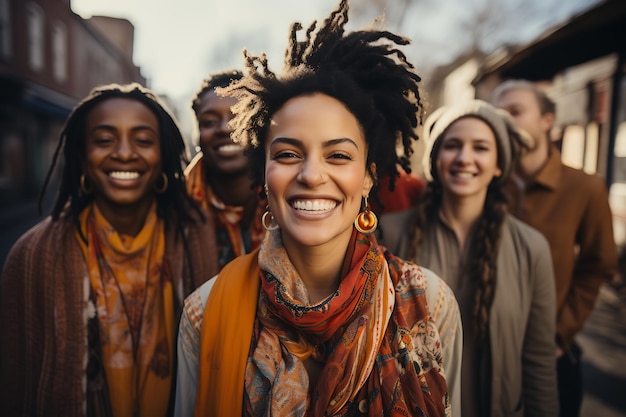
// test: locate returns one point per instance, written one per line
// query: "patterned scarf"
(232, 240)
(132, 291)
(377, 348)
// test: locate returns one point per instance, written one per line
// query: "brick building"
(49, 59)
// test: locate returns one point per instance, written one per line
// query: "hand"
(559, 352)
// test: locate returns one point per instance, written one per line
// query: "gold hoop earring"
(366, 221)
(84, 186)
(272, 223)
(163, 188)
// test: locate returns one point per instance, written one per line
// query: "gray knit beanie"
(508, 138)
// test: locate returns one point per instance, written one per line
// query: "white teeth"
(124, 175)
(229, 148)
(314, 205)
(464, 175)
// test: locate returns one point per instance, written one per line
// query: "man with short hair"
(571, 209)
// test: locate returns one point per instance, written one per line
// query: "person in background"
(571, 209)
(218, 177)
(321, 320)
(90, 298)
(498, 267)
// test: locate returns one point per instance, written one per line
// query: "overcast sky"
(178, 43)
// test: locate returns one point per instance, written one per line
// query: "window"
(59, 52)
(35, 37)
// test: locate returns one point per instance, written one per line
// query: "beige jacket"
(522, 321)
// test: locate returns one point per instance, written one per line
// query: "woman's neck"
(461, 214)
(319, 267)
(233, 190)
(126, 220)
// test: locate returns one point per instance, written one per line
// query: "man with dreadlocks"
(90, 297)
(321, 320)
(218, 177)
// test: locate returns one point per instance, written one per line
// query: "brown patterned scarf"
(375, 344)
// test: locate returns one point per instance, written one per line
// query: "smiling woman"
(89, 298)
(321, 320)
(123, 161)
(498, 267)
(317, 186)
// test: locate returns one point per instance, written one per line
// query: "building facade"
(50, 58)
(582, 67)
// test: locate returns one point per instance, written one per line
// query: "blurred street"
(13, 223)
(604, 359)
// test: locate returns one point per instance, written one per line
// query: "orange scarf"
(227, 218)
(133, 294)
(225, 338)
(379, 349)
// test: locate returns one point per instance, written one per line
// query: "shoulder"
(36, 250)
(196, 302)
(442, 304)
(524, 231)
(46, 230)
(524, 238)
(436, 289)
(584, 183)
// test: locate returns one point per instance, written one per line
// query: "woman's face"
(315, 170)
(467, 160)
(222, 156)
(123, 153)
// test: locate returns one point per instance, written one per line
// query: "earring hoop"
(366, 221)
(163, 188)
(272, 223)
(85, 187)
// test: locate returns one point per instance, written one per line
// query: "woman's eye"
(102, 140)
(145, 141)
(209, 123)
(285, 155)
(340, 156)
(450, 145)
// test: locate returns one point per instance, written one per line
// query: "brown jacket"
(571, 209)
(43, 314)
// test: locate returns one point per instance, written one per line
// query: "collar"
(550, 175)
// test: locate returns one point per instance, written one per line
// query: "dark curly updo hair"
(213, 81)
(363, 69)
(72, 145)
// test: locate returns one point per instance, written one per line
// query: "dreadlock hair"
(72, 145)
(482, 259)
(218, 79)
(363, 70)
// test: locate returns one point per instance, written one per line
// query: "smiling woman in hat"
(499, 268)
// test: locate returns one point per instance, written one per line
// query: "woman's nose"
(224, 125)
(312, 174)
(464, 154)
(125, 149)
